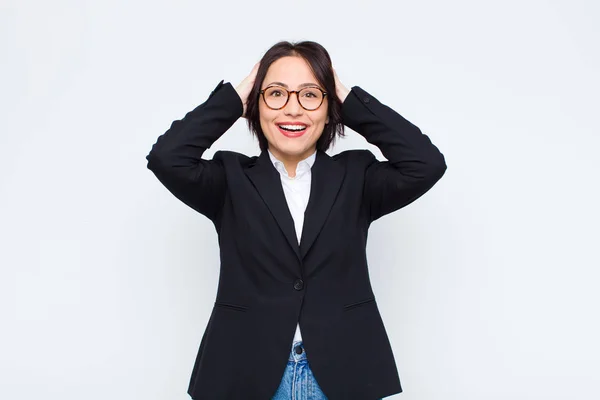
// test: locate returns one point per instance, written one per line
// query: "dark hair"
(320, 64)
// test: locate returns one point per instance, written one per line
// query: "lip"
(292, 134)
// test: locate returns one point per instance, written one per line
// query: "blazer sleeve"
(176, 157)
(414, 164)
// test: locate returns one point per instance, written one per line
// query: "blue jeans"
(298, 382)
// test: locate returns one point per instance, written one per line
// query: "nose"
(293, 106)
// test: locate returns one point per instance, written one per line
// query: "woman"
(295, 315)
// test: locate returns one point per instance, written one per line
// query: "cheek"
(323, 119)
(266, 121)
(325, 113)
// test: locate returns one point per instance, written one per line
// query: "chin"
(291, 145)
(293, 150)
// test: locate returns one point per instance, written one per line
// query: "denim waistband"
(296, 348)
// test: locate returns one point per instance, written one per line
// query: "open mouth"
(292, 130)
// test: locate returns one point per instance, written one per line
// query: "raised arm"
(414, 164)
(176, 157)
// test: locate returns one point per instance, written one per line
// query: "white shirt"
(297, 192)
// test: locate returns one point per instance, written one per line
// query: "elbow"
(160, 154)
(154, 160)
(151, 161)
(441, 166)
(436, 169)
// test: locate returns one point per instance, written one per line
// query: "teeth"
(293, 127)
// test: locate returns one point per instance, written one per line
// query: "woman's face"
(292, 72)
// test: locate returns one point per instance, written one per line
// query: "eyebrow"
(286, 86)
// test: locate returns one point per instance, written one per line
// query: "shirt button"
(298, 284)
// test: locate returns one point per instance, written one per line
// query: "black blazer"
(268, 282)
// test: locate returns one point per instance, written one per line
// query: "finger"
(335, 75)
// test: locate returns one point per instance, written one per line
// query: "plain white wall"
(488, 285)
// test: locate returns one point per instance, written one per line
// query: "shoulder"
(235, 160)
(228, 157)
(355, 157)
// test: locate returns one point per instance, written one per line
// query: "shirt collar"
(303, 166)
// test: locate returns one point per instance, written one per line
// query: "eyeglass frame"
(290, 92)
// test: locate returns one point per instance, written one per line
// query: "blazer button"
(298, 284)
(366, 100)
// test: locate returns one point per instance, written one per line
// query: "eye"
(311, 93)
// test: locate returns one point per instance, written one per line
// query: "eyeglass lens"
(310, 98)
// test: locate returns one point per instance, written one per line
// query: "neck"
(290, 161)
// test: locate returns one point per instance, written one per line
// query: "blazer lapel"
(267, 181)
(326, 180)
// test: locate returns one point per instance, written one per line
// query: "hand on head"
(340, 90)
(244, 88)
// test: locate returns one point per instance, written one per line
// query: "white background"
(488, 285)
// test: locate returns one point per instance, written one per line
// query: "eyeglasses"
(276, 97)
